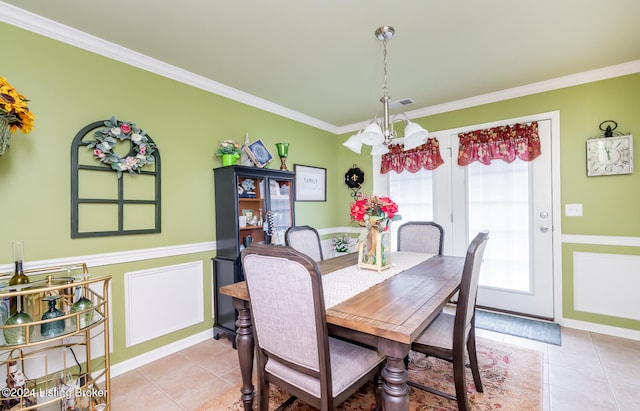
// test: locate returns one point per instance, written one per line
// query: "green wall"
(70, 88)
(610, 203)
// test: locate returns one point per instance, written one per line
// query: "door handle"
(544, 228)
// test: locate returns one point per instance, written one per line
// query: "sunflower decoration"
(14, 114)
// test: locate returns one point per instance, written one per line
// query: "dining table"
(387, 313)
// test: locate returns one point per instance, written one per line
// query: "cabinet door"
(280, 214)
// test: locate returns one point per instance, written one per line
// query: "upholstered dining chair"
(448, 335)
(421, 237)
(293, 349)
(305, 239)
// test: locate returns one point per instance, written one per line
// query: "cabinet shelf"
(273, 206)
(57, 366)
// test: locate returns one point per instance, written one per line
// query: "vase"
(228, 159)
(375, 251)
(5, 132)
(52, 327)
(86, 318)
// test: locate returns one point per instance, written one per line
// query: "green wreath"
(142, 148)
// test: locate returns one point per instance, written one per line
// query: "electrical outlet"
(67, 341)
(573, 210)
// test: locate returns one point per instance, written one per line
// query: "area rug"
(511, 376)
(531, 329)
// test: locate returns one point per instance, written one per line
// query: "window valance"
(426, 156)
(506, 143)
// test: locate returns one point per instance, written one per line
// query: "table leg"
(244, 344)
(395, 391)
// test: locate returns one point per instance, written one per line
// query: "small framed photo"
(258, 153)
(311, 183)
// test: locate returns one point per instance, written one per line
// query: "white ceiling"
(321, 59)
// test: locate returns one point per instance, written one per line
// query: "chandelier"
(380, 132)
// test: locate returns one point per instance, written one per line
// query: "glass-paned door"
(513, 201)
(280, 209)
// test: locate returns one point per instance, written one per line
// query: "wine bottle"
(19, 276)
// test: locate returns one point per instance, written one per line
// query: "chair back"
(466, 306)
(305, 239)
(421, 237)
(287, 309)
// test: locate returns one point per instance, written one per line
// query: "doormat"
(537, 330)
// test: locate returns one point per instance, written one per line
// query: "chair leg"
(460, 381)
(473, 360)
(377, 388)
(263, 395)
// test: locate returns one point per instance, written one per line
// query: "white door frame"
(381, 185)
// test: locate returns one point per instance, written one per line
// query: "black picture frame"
(258, 153)
(311, 183)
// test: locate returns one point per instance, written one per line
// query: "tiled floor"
(588, 372)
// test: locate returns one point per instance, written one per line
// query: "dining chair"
(421, 237)
(305, 239)
(447, 336)
(293, 348)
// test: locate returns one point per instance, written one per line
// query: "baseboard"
(601, 329)
(135, 362)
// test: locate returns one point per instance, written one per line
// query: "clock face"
(610, 155)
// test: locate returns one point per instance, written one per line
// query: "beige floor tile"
(196, 388)
(588, 372)
(214, 356)
(569, 400)
(602, 340)
(622, 365)
(131, 391)
(627, 395)
(595, 383)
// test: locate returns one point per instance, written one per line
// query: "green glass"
(18, 335)
(86, 318)
(283, 152)
(283, 149)
(52, 328)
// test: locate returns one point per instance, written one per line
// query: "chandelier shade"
(354, 143)
(380, 132)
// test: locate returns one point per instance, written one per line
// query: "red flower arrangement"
(374, 211)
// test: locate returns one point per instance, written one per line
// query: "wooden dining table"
(387, 317)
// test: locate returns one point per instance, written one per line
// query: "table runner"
(343, 284)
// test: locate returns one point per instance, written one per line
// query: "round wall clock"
(610, 156)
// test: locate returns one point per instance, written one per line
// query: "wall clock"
(610, 156)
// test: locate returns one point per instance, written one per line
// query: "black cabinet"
(253, 205)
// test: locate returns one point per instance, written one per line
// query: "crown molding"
(37, 24)
(604, 73)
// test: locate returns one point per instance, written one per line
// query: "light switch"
(573, 210)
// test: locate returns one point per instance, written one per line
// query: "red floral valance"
(426, 156)
(505, 143)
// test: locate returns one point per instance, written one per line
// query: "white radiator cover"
(607, 284)
(162, 300)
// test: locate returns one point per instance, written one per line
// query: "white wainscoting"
(162, 300)
(607, 284)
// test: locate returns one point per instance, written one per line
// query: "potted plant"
(230, 151)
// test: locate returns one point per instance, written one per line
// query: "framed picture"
(311, 183)
(610, 156)
(258, 153)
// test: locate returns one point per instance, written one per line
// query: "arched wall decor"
(105, 202)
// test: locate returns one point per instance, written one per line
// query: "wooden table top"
(399, 308)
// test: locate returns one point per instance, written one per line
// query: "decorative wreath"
(141, 151)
